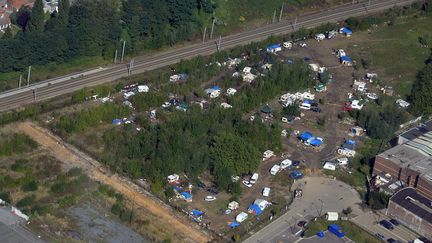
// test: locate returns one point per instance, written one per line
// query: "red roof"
(17, 4)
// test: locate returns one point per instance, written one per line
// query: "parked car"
(285, 164)
(394, 221)
(210, 198)
(266, 191)
(380, 236)
(386, 224)
(301, 223)
(246, 183)
(296, 175)
(275, 169)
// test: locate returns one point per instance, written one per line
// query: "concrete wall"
(409, 219)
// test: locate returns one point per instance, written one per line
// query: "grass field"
(352, 231)
(394, 52)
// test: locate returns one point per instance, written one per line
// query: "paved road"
(67, 84)
(11, 230)
(320, 195)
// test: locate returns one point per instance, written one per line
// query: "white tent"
(233, 205)
(332, 216)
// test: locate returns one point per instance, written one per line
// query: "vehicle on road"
(275, 169)
(380, 236)
(302, 224)
(386, 224)
(266, 191)
(254, 178)
(210, 198)
(394, 222)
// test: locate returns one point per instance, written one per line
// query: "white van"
(305, 106)
(254, 178)
(266, 191)
(285, 164)
(329, 166)
(275, 169)
(342, 161)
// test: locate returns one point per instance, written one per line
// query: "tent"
(305, 136)
(254, 209)
(234, 224)
(197, 215)
(186, 196)
(332, 216)
(266, 109)
(337, 230)
(296, 175)
(346, 60)
(315, 141)
(320, 234)
(117, 121)
(345, 31)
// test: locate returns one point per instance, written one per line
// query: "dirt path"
(72, 157)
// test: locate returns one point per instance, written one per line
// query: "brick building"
(409, 162)
(413, 210)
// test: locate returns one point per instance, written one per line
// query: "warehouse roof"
(410, 200)
(418, 131)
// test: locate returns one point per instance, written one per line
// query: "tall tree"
(36, 22)
(8, 34)
(63, 13)
(421, 92)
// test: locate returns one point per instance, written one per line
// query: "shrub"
(5, 196)
(74, 172)
(30, 186)
(26, 201)
(116, 209)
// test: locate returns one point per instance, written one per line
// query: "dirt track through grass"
(72, 157)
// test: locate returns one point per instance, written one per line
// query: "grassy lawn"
(353, 232)
(394, 51)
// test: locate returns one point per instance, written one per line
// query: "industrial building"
(413, 210)
(410, 161)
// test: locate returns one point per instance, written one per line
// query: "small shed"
(233, 205)
(261, 203)
(357, 131)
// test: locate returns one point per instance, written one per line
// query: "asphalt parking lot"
(320, 195)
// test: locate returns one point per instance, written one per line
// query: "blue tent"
(305, 136)
(320, 234)
(337, 230)
(215, 87)
(254, 209)
(234, 224)
(274, 46)
(351, 142)
(345, 59)
(315, 142)
(346, 31)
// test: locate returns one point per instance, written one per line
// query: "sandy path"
(72, 157)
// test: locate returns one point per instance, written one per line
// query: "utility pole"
(295, 23)
(19, 83)
(218, 44)
(131, 65)
(274, 16)
(212, 28)
(123, 50)
(205, 30)
(115, 57)
(281, 11)
(34, 95)
(28, 76)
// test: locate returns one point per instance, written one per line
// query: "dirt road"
(72, 157)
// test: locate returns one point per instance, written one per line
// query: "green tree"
(8, 33)
(421, 97)
(36, 22)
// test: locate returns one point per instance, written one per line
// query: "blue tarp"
(346, 31)
(255, 209)
(196, 213)
(234, 224)
(116, 121)
(305, 136)
(186, 195)
(215, 87)
(320, 234)
(274, 46)
(176, 188)
(337, 230)
(345, 59)
(351, 142)
(348, 146)
(182, 76)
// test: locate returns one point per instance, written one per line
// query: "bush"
(116, 209)
(19, 165)
(30, 186)
(26, 201)
(74, 172)
(5, 196)
(126, 215)
(41, 210)
(59, 187)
